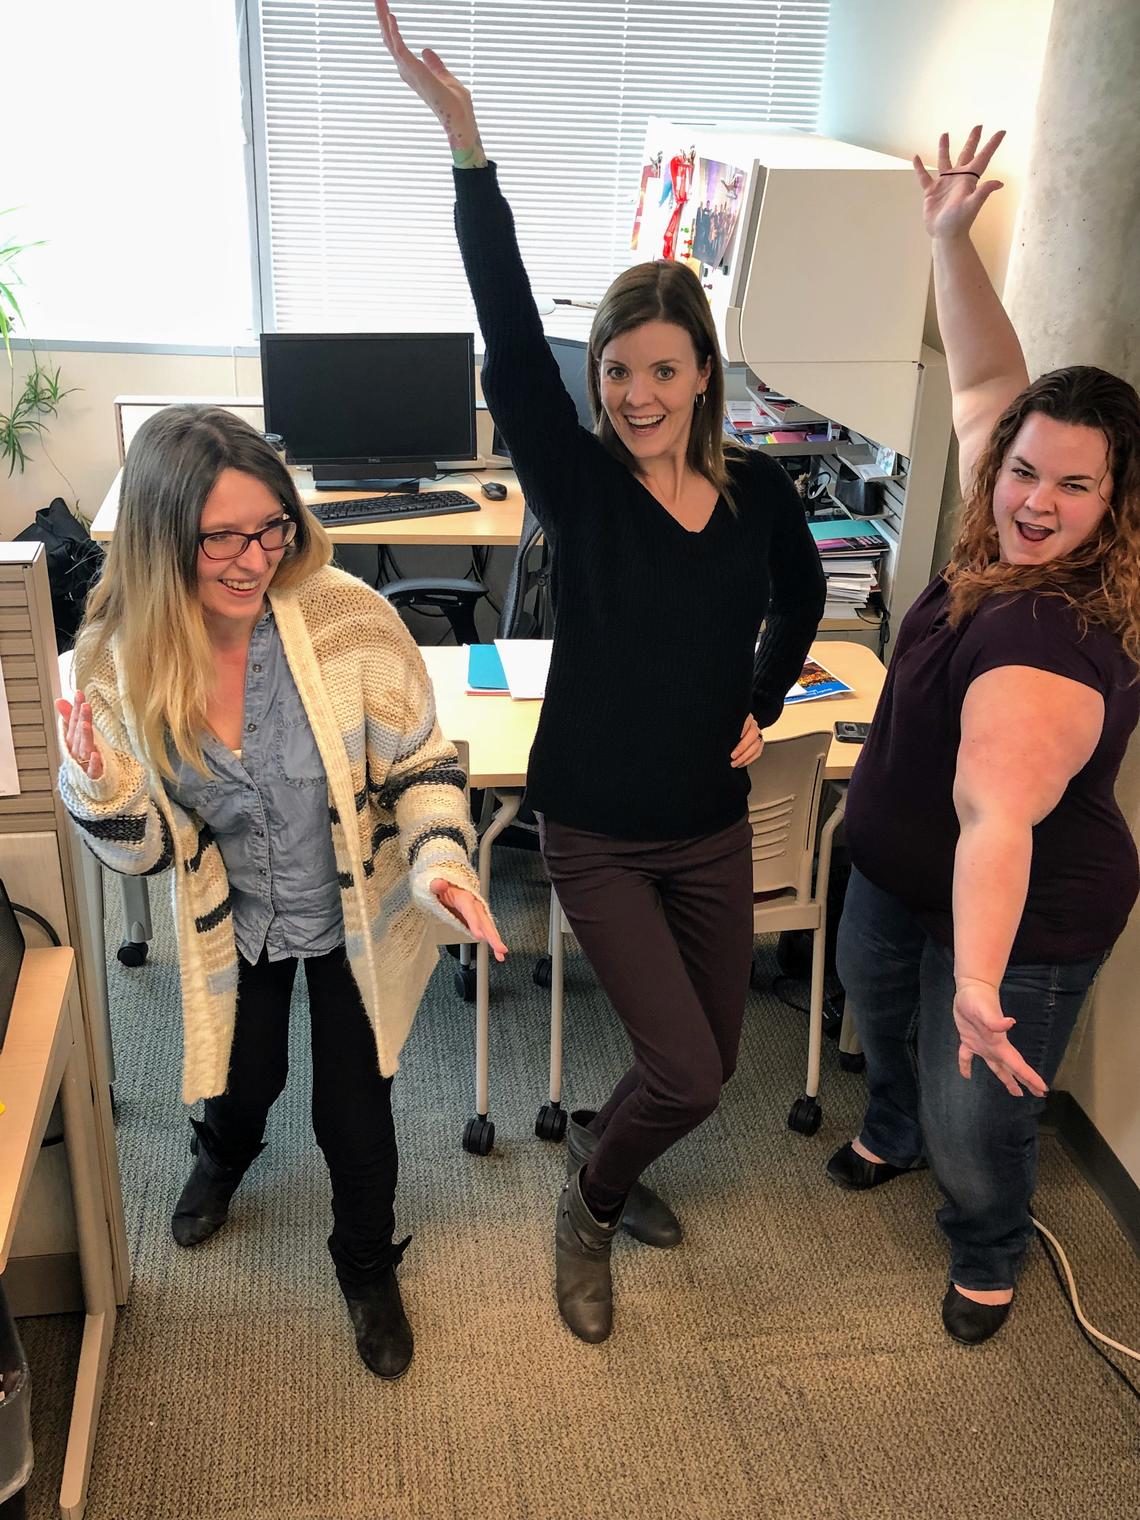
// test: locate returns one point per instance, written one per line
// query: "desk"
(499, 733)
(496, 524)
(45, 1053)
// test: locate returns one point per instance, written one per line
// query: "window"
(123, 153)
(354, 173)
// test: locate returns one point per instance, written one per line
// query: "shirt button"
(257, 670)
(251, 728)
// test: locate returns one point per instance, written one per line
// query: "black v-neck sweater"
(655, 664)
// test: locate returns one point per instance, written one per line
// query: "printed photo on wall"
(662, 225)
(719, 195)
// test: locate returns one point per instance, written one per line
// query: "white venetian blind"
(358, 173)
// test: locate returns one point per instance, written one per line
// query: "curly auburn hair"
(1100, 578)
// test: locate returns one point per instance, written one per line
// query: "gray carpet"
(787, 1361)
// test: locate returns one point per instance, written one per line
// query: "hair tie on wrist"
(942, 173)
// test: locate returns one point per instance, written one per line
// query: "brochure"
(816, 681)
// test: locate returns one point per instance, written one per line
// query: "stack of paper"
(849, 550)
(515, 666)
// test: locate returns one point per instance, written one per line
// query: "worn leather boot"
(204, 1202)
(383, 1335)
(646, 1216)
(582, 1246)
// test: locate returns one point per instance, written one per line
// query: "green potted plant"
(41, 393)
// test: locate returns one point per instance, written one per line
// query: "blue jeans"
(980, 1141)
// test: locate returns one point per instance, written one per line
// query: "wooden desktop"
(496, 524)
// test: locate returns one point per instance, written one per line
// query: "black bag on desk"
(74, 564)
(11, 959)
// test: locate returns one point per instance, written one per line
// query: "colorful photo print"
(719, 196)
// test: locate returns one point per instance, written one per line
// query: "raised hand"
(79, 734)
(434, 84)
(471, 913)
(983, 1031)
(953, 198)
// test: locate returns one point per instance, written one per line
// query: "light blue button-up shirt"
(269, 812)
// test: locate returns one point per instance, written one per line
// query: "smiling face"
(649, 379)
(1052, 490)
(234, 589)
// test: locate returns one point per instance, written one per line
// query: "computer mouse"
(493, 490)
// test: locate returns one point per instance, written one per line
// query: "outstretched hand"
(470, 912)
(983, 1030)
(79, 734)
(433, 83)
(953, 198)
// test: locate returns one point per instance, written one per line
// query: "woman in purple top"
(993, 868)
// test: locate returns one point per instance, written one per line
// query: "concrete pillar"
(1073, 293)
(1073, 286)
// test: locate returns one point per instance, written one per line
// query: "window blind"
(355, 173)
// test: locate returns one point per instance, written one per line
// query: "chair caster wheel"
(805, 1116)
(550, 1123)
(465, 983)
(478, 1136)
(132, 952)
(543, 973)
(852, 1060)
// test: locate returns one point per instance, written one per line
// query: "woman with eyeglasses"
(263, 724)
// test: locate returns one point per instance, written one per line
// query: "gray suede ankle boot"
(646, 1216)
(204, 1202)
(582, 1247)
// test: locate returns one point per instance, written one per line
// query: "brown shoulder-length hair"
(664, 291)
(146, 601)
(1100, 578)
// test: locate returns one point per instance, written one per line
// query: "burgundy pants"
(667, 927)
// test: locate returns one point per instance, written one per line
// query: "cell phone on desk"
(852, 733)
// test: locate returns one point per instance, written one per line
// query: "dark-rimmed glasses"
(231, 545)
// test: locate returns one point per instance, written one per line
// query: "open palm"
(953, 198)
(431, 80)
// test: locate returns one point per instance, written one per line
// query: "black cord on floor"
(1100, 1351)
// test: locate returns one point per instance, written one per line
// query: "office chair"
(789, 891)
(457, 599)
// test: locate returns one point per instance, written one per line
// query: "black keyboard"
(396, 507)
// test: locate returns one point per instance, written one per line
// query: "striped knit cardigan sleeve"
(117, 814)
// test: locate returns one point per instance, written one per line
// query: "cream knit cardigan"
(397, 808)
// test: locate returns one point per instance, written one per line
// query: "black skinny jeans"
(667, 927)
(352, 1102)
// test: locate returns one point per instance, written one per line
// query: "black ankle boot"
(582, 1247)
(204, 1202)
(646, 1216)
(383, 1335)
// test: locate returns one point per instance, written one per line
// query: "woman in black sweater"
(668, 556)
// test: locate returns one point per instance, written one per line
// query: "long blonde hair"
(664, 291)
(1100, 578)
(146, 604)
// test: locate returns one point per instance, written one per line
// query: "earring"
(699, 400)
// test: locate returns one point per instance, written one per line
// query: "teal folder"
(485, 669)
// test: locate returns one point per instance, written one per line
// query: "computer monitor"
(367, 410)
(570, 355)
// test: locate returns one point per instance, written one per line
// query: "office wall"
(81, 440)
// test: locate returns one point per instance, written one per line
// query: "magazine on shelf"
(816, 681)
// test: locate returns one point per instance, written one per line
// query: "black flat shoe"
(847, 1169)
(968, 1322)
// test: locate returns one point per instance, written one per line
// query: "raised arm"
(983, 355)
(520, 378)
